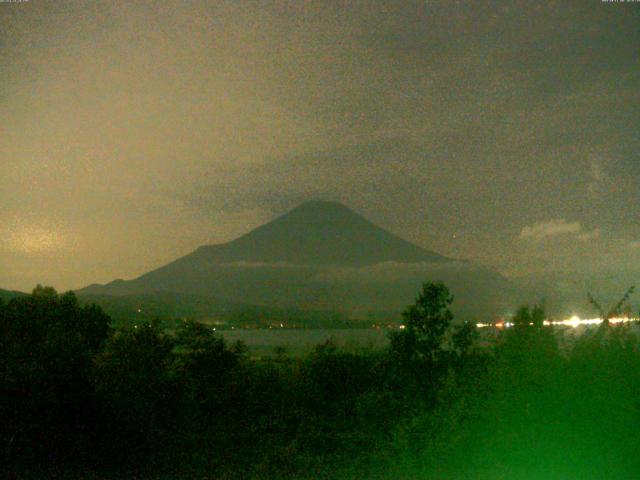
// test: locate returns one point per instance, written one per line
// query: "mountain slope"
(319, 256)
(314, 234)
(319, 233)
(7, 295)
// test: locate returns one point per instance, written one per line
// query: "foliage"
(140, 401)
(47, 346)
(426, 322)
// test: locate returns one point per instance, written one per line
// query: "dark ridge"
(319, 233)
(7, 295)
(314, 257)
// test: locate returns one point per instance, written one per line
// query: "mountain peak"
(322, 213)
(314, 257)
(319, 232)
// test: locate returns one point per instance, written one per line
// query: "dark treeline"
(78, 398)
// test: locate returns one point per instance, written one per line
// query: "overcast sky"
(507, 133)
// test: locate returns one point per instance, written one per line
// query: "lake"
(298, 341)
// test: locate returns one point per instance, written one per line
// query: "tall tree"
(426, 323)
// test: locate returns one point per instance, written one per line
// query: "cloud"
(392, 271)
(245, 264)
(592, 235)
(598, 178)
(28, 236)
(417, 114)
(552, 228)
(541, 230)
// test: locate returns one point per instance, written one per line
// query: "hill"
(7, 295)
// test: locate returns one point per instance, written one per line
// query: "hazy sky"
(503, 132)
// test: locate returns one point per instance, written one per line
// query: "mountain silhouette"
(6, 295)
(319, 256)
(318, 233)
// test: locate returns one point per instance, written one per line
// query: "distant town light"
(573, 322)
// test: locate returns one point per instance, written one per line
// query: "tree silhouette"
(426, 323)
(47, 346)
(464, 337)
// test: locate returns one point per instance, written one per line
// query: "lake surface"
(297, 341)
